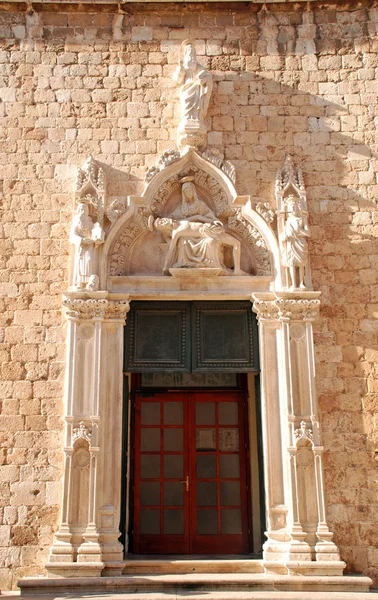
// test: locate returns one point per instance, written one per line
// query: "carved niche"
(292, 223)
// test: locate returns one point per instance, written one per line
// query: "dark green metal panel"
(224, 337)
(191, 337)
(157, 337)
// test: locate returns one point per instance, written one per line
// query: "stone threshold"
(193, 582)
(152, 565)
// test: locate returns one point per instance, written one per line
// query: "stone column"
(92, 438)
(298, 538)
(274, 549)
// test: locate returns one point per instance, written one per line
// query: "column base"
(71, 570)
(318, 568)
(62, 549)
(114, 569)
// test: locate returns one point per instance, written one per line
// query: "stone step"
(193, 582)
(153, 566)
(209, 595)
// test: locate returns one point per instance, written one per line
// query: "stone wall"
(286, 80)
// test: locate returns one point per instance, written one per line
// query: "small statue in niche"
(195, 91)
(87, 236)
(196, 237)
(294, 244)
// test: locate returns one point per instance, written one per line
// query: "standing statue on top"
(195, 91)
(294, 244)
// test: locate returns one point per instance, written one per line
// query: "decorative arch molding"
(215, 186)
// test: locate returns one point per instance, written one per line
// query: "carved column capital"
(266, 310)
(89, 309)
(277, 306)
(290, 309)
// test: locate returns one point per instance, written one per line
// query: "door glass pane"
(206, 466)
(149, 493)
(150, 413)
(207, 522)
(173, 466)
(205, 440)
(205, 413)
(228, 413)
(231, 521)
(173, 413)
(206, 493)
(230, 493)
(149, 522)
(229, 466)
(173, 493)
(150, 440)
(228, 440)
(150, 466)
(174, 522)
(173, 440)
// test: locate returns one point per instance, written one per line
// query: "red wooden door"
(190, 474)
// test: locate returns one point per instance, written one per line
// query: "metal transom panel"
(190, 337)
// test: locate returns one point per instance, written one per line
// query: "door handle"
(186, 481)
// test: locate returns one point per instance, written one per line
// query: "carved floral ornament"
(101, 309)
(82, 433)
(286, 309)
(304, 433)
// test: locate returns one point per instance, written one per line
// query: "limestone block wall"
(289, 79)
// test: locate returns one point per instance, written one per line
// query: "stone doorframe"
(298, 539)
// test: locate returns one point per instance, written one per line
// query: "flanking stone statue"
(86, 235)
(195, 91)
(196, 237)
(294, 244)
(292, 225)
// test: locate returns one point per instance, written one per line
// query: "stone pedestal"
(191, 135)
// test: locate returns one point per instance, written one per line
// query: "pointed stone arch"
(159, 198)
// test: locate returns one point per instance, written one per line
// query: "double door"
(190, 494)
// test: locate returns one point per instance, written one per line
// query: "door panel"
(218, 507)
(190, 483)
(161, 501)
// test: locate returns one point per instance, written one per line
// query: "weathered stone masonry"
(297, 79)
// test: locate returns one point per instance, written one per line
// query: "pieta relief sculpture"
(196, 85)
(196, 237)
